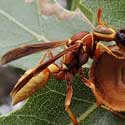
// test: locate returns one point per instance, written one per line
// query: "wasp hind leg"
(69, 94)
(60, 74)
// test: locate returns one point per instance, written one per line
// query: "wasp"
(78, 49)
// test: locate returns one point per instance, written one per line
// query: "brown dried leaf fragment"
(108, 76)
(53, 8)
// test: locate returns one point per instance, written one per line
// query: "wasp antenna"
(99, 14)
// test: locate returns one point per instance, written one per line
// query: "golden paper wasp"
(79, 48)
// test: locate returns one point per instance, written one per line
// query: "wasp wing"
(28, 49)
(41, 67)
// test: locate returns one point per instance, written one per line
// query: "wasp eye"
(120, 37)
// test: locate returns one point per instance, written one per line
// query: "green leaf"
(75, 4)
(69, 4)
(20, 24)
(113, 11)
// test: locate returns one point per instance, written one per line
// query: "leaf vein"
(74, 98)
(35, 117)
(9, 17)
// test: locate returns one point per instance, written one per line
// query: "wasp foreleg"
(100, 48)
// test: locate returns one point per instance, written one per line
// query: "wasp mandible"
(79, 48)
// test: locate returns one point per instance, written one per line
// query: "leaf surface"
(22, 24)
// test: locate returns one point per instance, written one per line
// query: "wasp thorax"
(120, 37)
(104, 33)
(103, 29)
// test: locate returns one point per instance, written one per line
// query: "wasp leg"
(87, 82)
(100, 48)
(114, 112)
(50, 54)
(90, 84)
(62, 75)
(53, 68)
(68, 99)
(84, 80)
(56, 75)
(43, 58)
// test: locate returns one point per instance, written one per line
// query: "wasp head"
(120, 38)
